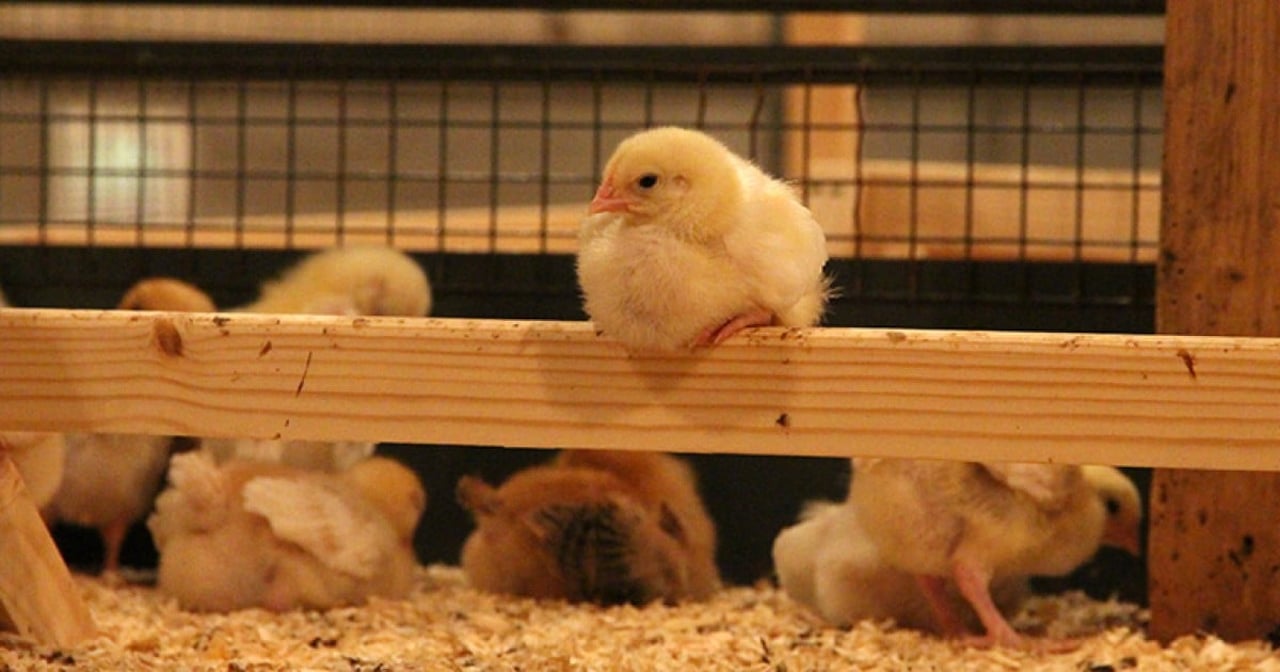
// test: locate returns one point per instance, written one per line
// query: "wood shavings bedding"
(445, 625)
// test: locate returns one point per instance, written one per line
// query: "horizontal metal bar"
(1111, 7)
(1093, 65)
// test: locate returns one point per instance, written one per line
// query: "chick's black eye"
(1113, 507)
(647, 181)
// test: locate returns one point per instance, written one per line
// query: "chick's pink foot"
(715, 336)
(974, 583)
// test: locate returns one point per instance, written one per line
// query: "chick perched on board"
(593, 526)
(254, 534)
(110, 480)
(972, 521)
(686, 244)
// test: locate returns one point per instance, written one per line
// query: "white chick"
(686, 243)
(827, 563)
(110, 480)
(341, 281)
(348, 281)
(254, 534)
(582, 530)
(974, 521)
(40, 458)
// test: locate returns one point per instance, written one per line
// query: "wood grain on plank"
(1137, 400)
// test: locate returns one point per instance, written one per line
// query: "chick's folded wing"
(306, 513)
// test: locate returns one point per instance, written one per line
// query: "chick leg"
(935, 591)
(755, 318)
(975, 583)
(112, 541)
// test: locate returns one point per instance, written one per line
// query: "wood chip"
(445, 625)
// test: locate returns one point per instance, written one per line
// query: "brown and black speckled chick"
(593, 526)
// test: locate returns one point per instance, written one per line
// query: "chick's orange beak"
(1125, 539)
(608, 200)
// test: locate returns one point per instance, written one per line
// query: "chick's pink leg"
(755, 318)
(974, 583)
(112, 541)
(935, 591)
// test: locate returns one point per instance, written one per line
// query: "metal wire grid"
(493, 150)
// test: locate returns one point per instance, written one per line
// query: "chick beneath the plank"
(975, 521)
(253, 534)
(604, 527)
(686, 244)
(110, 480)
(826, 562)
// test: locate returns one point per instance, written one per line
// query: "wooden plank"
(1214, 538)
(38, 598)
(1184, 402)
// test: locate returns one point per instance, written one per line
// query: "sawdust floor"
(447, 626)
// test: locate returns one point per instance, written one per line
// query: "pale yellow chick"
(826, 562)
(686, 244)
(971, 522)
(110, 480)
(348, 281)
(254, 534)
(353, 281)
(607, 527)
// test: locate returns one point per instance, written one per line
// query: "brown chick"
(253, 534)
(110, 480)
(166, 294)
(974, 521)
(604, 527)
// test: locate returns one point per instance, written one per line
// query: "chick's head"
(679, 178)
(1123, 505)
(166, 294)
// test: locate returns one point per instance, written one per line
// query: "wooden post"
(37, 596)
(1215, 536)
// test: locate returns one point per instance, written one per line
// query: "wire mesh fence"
(951, 174)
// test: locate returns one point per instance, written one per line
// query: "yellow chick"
(972, 522)
(686, 243)
(609, 528)
(340, 281)
(254, 534)
(348, 281)
(110, 480)
(40, 458)
(826, 562)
